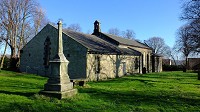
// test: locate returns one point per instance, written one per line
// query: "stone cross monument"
(58, 84)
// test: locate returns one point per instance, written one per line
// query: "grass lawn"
(154, 92)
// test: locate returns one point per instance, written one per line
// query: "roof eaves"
(157, 55)
(135, 46)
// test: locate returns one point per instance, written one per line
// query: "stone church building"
(92, 57)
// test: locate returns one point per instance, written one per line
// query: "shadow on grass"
(167, 76)
(151, 77)
(138, 98)
(142, 79)
(27, 94)
(26, 76)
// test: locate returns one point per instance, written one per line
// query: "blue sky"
(147, 18)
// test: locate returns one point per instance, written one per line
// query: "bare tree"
(173, 54)
(3, 56)
(16, 19)
(114, 31)
(39, 19)
(191, 10)
(89, 32)
(194, 33)
(158, 45)
(128, 34)
(2, 32)
(74, 27)
(191, 13)
(183, 42)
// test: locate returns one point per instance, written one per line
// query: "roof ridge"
(126, 41)
(120, 37)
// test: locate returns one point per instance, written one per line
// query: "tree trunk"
(199, 74)
(12, 52)
(13, 59)
(3, 57)
(173, 59)
(186, 65)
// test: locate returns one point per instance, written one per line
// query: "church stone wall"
(101, 69)
(110, 66)
(76, 55)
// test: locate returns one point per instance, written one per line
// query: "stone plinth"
(58, 84)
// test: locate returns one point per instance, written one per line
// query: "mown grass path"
(165, 92)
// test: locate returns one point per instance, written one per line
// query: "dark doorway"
(147, 63)
(153, 63)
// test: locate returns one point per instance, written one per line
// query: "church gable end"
(42, 48)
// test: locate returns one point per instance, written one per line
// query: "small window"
(29, 54)
(21, 51)
(68, 55)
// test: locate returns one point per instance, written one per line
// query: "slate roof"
(157, 55)
(93, 43)
(98, 45)
(129, 42)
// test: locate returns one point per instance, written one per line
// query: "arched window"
(47, 52)
(148, 62)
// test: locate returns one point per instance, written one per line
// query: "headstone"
(58, 84)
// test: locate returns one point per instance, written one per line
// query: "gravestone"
(58, 84)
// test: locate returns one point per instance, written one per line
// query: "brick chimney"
(97, 29)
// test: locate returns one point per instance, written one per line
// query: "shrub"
(6, 62)
(173, 67)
